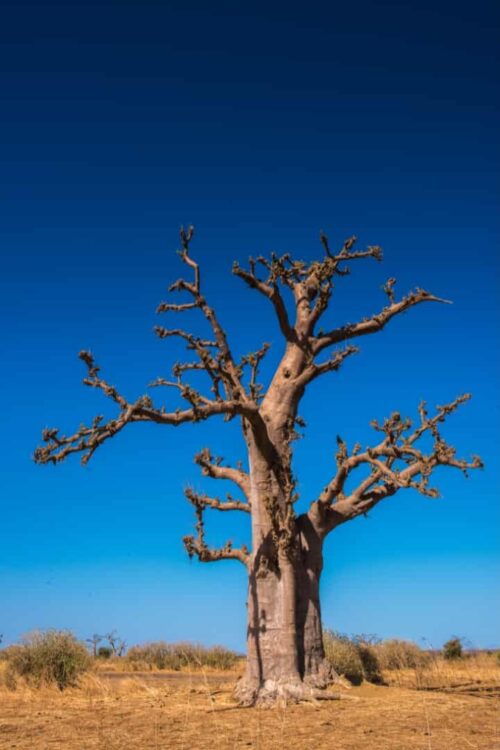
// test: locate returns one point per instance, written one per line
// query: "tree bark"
(285, 654)
(313, 667)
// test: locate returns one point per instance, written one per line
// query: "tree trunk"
(313, 667)
(285, 656)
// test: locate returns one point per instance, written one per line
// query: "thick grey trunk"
(285, 657)
(285, 644)
(313, 667)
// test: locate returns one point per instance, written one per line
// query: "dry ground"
(194, 710)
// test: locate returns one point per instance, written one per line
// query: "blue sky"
(261, 126)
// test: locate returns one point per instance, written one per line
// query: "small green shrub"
(398, 654)
(452, 649)
(51, 656)
(104, 652)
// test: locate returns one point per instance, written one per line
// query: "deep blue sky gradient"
(260, 125)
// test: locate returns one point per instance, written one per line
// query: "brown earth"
(151, 712)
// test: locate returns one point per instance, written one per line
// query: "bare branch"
(211, 363)
(332, 364)
(205, 501)
(269, 290)
(375, 322)
(387, 459)
(372, 251)
(196, 545)
(214, 356)
(227, 370)
(389, 290)
(212, 467)
(94, 381)
(313, 294)
(88, 438)
(253, 361)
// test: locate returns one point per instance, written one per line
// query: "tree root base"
(324, 676)
(281, 692)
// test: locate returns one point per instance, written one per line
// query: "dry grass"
(180, 711)
(122, 666)
(474, 673)
(177, 656)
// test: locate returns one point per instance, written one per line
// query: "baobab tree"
(116, 644)
(285, 655)
(94, 641)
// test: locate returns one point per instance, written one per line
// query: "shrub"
(52, 656)
(356, 658)
(219, 657)
(9, 678)
(399, 654)
(104, 652)
(370, 661)
(452, 649)
(158, 654)
(343, 655)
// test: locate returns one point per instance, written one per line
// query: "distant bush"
(51, 656)
(158, 654)
(219, 657)
(104, 652)
(399, 654)
(452, 649)
(162, 655)
(363, 657)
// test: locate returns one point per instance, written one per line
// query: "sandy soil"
(194, 711)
